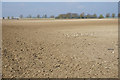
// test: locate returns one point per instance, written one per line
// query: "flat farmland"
(78, 48)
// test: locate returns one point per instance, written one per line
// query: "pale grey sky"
(59, 0)
(55, 8)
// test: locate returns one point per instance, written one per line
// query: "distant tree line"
(67, 16)
(83, 16)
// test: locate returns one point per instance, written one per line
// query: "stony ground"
(0, 48)
(60, 48)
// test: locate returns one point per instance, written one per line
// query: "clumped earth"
(60, 48)
(0, 48)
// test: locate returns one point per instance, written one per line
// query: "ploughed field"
(60, 48)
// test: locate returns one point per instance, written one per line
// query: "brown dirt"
(0, 48)
(60, 48)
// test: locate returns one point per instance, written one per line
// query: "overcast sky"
(60, 0)
(55, 8)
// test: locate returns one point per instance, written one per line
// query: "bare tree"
(82, 15)
(38, 16)
(52, 16)
(107, 15)
(21, 16)
(113, 15)
(29, 16)
(44, 16)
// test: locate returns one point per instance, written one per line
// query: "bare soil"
(60, 48)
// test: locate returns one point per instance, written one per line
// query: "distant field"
(77, 48)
